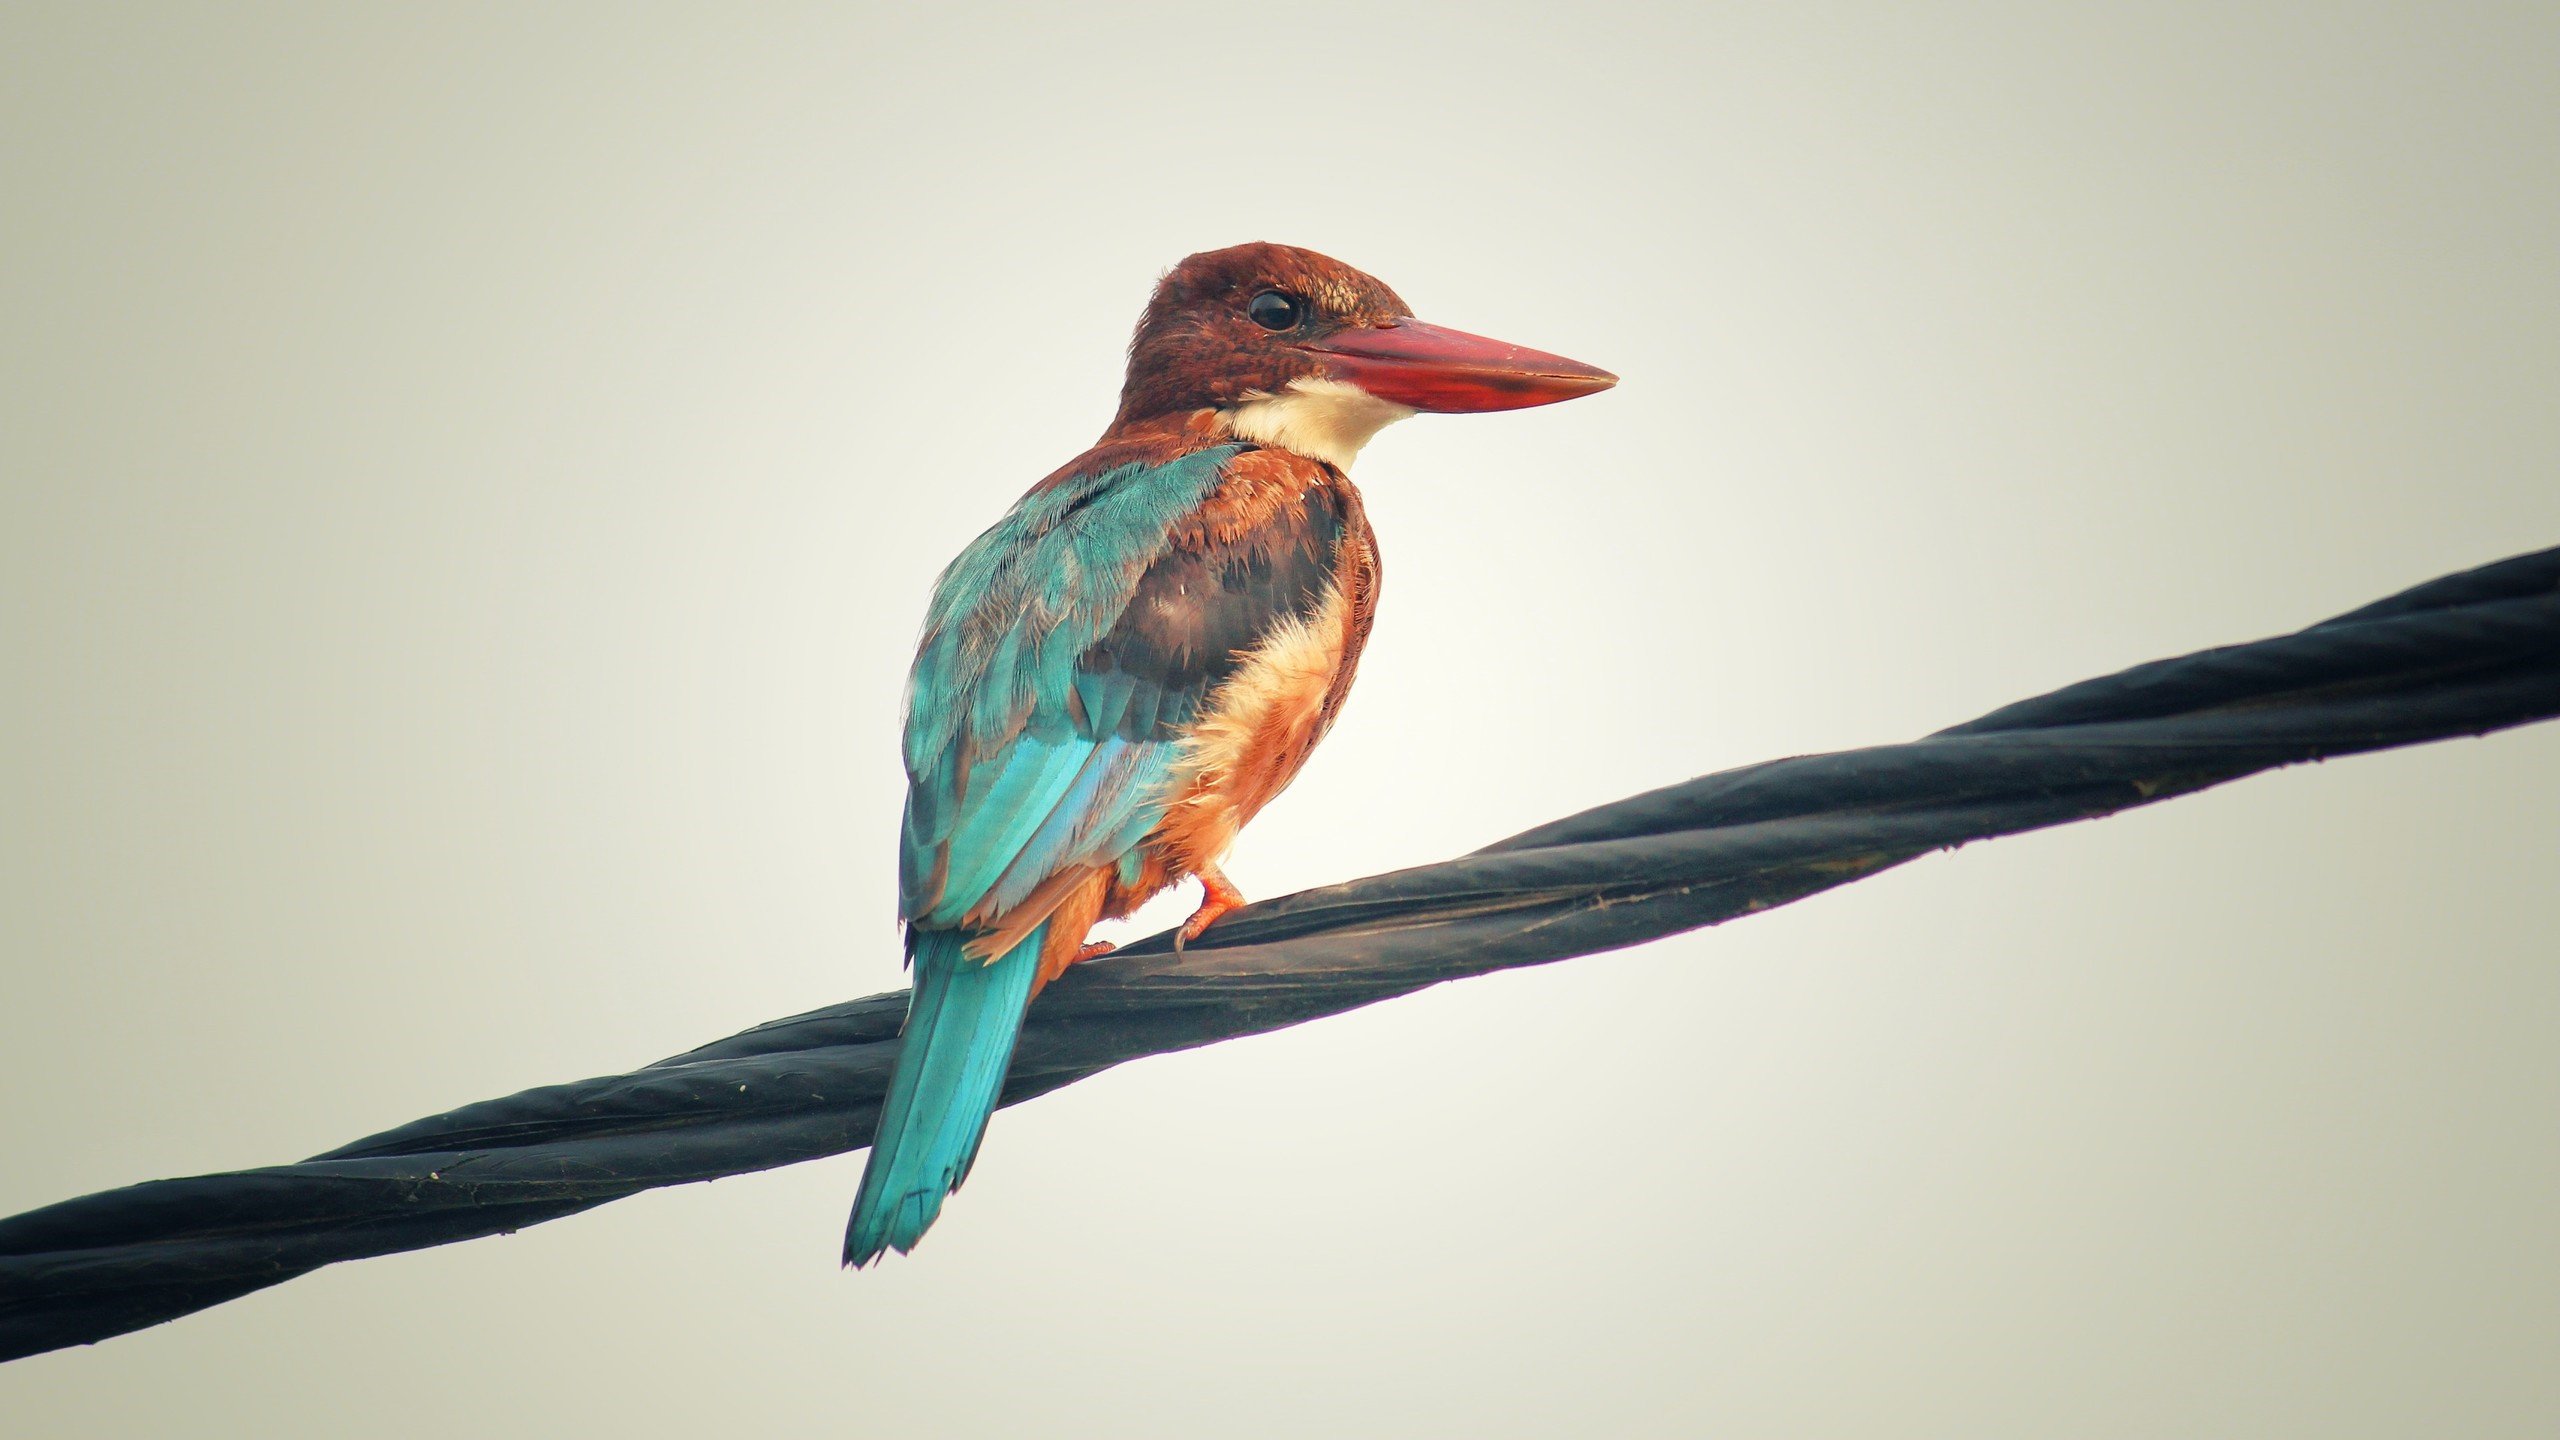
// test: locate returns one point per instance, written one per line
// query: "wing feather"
(1066, 653)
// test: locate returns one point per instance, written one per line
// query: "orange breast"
(1261, 725)
(1258, 730)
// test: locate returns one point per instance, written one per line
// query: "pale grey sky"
(472, 478)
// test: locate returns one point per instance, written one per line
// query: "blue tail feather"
(957, 1045)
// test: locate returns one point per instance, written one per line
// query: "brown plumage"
(1264, 720)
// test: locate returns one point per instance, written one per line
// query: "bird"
(1115, 677)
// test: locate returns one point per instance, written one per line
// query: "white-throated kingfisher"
(1138, 657)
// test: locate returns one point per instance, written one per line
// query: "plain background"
(472, 477)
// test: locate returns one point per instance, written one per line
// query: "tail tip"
(897, 1226)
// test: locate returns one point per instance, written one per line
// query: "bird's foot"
(1218, 895)
(1093, 950)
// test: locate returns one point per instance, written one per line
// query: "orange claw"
(1093, 950)
(1218, 895)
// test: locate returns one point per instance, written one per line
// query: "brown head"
(1288, 347)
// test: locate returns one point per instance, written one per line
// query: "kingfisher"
(1131, 663)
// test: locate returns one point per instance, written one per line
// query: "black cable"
(2465, 655)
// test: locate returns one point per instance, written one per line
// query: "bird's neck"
(1326, 420)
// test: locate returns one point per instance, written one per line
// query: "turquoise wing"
(1027, 753)
(1065, 657)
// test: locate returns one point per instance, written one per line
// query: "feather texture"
(960, 1031)
(1069, 662)
(999, 730)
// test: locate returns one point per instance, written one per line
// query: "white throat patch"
(1322, 419)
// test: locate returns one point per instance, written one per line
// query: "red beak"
(1428, 368)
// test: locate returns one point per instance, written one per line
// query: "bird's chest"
(1265, 720)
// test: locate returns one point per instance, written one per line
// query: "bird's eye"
(1273, 310)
